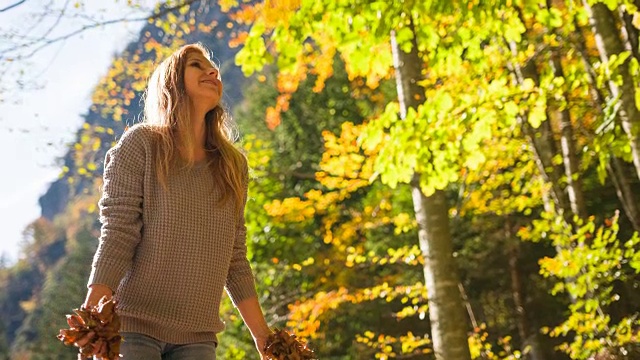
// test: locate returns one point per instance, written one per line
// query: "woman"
(172, 213)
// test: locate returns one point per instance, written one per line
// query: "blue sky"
(37, 125)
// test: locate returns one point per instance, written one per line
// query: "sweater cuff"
(104, 277)
(241, 289)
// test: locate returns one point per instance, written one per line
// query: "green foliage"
(254, 48)
(590, 261)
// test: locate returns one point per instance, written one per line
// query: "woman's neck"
(199, 141)
(198, 114)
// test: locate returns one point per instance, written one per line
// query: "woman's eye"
(196, 64)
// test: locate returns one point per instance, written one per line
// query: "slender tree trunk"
(623, 189)
(569, 156)
(446, 312)
(542, 141)
(581, 46)
(609, 44)
(528, 338)
(615, 166)
(516, 293)
(629, 33)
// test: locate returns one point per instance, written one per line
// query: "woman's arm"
(120, 214)
(254, 319)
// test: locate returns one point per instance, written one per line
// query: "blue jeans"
(142, 347)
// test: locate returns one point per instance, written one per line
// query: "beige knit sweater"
(169, 254)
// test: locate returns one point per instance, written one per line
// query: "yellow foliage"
(304, 315)
(502, 184)
(273, 117)
(345, 165)
(226, 5)
(403, 223)
(290, 209)
(552, 265)
(245, 15)
(277, 12)
(387, 346)
(288, 81)
(238, 39)
(321, 61)
(132, 76)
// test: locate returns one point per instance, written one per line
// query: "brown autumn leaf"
(281, 345)
(94, 331)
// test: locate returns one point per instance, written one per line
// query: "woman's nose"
(213, 71)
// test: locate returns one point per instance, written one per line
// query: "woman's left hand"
(260, 344)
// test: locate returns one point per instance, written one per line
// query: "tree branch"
(13, 5)
(66, 3)
(45, 43)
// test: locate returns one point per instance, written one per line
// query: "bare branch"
(13, 5)
(41, 17)
(45, 43)
(57, 20)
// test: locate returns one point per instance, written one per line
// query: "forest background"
(430, 179)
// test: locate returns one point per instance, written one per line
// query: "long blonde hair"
(167, 112)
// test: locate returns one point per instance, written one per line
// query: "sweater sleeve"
(240, 282)
(120, 210)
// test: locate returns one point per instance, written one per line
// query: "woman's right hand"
(95, 293)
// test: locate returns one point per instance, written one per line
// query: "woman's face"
(202, 81)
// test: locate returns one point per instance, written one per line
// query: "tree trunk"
(516, 292)
(609, 44)
(569, 156)
(542, 141)
(446, 312)
(528, 338)
(581, 46)
(629, 33)
(615, 166)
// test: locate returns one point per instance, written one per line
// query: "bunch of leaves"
(95, 331)
(403, 346)
(282, 345)
(590, 261)
(482, 347)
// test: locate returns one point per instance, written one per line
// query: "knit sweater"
(168, 254)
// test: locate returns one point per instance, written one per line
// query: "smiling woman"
(173, 234)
